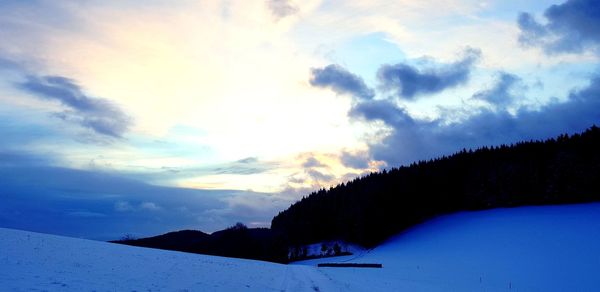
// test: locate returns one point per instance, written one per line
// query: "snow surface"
(553, 248)
(523, 249)
(41, 262)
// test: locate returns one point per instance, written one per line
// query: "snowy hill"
(53, 263)
(553, 248)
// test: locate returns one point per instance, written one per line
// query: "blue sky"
(119, 117)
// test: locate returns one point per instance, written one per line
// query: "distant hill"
(184, 240)
(237, 241)
(370, 209)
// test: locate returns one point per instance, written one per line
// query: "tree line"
(369, 209)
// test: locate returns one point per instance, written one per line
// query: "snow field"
(34, 261)
(554, 248)
(551, 248)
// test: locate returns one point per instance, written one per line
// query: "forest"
(369, 209)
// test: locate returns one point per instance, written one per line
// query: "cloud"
(150, 206)
(246, 166)
(7, 64)
(571, 27)
(241, 170)
(341, 81)
(21, 159)
(282, 8)
(414, 139)
(126, 206)
(319, 176)
(502, 92)
(97, 114)
(382, 110)
(123, 206)
(85, 214)
(102, 205)
(312, 162)
(409, 82)
(248, 160)
(358, 160)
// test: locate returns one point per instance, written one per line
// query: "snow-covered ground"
(554, 248)
(41, 262)
(522, 249)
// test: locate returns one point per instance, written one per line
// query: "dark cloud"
(8, 64)
(282, 8)
(501, 93)
(409, 82)
(571, 27)
(19, 159)
(248, 160)
(319, 176)
(246, 166)
(312, 162)
(413, 139)
(102, 205)
(382, 110)
(313, 173)
(341, 81)
(96, 114)
(531, 31)
(235, 169)
(356, 160)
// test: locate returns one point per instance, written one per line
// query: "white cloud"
(149, 206)
(123, 206)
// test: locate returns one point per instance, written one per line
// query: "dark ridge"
(237, 241)
(372, 208)
(184, 240)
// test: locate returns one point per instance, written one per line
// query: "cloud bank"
(571, 27)
(414, 139)
(101, 205)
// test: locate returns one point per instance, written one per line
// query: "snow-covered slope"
(53, 263)
(555, 248)
(522, 249)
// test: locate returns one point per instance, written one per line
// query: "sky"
(123, 117)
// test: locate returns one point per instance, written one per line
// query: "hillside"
(183, 240)
(237, 241)
(34, 261)
(552, 248)
(370, 209)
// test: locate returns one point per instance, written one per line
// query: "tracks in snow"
(306, 278)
